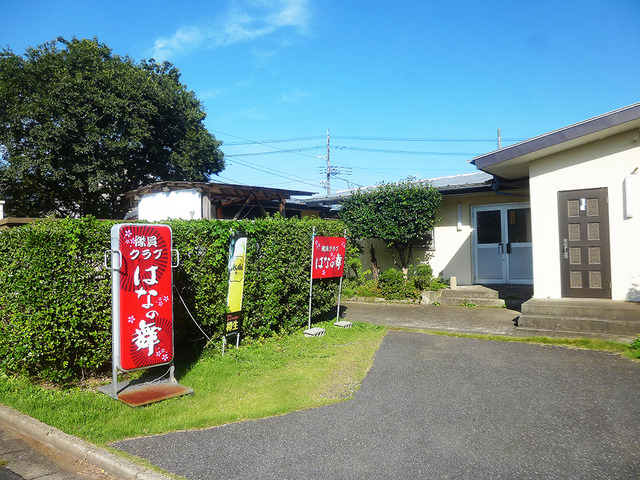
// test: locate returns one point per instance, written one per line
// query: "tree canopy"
(399, 214)
(79, 126)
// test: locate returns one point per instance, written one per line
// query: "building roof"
(225, 193)
(513, 161)
(464, 183)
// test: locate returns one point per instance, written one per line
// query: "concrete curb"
(75, 447)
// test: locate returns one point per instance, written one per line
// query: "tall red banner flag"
(142, 297)
(328, 257)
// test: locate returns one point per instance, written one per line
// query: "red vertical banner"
(142, 296)
(328, 257)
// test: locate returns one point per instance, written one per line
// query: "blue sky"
(406, 88)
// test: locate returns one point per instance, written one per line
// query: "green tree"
(399, 214)
(79, 126)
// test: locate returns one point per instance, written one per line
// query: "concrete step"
(577, 324)
(581, 315)
(469, 301)
(583, 308)
(477, 295)
(473, 291)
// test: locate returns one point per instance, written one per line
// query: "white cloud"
(209, 94)
(184, 40)
(246, 20)
(294, 96)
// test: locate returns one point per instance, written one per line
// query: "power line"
(277, 140)
(252, 154)
(371, 138)
(405, 152)
(256, 142)
(276, 173)
(417, 139)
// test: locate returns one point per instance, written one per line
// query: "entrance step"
(474, 295)
(581, 316)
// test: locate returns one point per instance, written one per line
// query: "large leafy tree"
(399, 214)
(79, 126)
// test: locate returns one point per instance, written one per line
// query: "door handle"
(508, 249)
(500, 248)
(565, 247)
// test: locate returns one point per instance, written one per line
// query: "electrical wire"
(293, 150)
(253, 142)
(277, 140)
(405, 152)
(187, 309)
(248, 164)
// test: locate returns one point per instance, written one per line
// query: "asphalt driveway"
(438, 407)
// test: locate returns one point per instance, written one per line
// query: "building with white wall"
(583, 181)
(212, 201)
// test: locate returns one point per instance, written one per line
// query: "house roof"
(226, 193)
(513, 161)
(467, 182)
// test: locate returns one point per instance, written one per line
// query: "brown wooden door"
(584, 243)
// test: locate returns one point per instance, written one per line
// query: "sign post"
(327, 261)
(142, 302)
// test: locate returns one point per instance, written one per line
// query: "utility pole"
(328, 166)
(329, 172)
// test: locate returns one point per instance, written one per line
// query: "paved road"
(438, 407)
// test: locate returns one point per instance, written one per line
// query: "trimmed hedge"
(55, 294)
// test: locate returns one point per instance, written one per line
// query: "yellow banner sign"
(237, 259)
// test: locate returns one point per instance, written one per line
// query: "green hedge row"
(55, 294)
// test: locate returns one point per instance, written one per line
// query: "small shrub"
(394, 286)
(422, 276)
(436, 284)
(369, 288)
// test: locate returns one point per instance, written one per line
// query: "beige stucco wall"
(452, 255)
(604, 163)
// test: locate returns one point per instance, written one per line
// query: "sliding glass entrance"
(502, 244)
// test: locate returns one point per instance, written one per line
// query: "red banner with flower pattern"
(143, 301)
(328, 257)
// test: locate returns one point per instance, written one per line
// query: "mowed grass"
(266, 378)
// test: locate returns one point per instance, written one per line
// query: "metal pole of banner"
(339, 295)
(313, 237)
(224, 343)
(340, 287)
(341, 323)
(238, 340)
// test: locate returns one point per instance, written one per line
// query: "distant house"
(453, 249)
(212, 200)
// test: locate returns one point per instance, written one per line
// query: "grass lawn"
(266, 378)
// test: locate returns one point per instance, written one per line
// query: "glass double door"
(502, 244)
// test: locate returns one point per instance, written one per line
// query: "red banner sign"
(328, 257)
(142, 296)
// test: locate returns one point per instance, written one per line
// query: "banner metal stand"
(317, 331)
(327, 261)
(341, 323)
